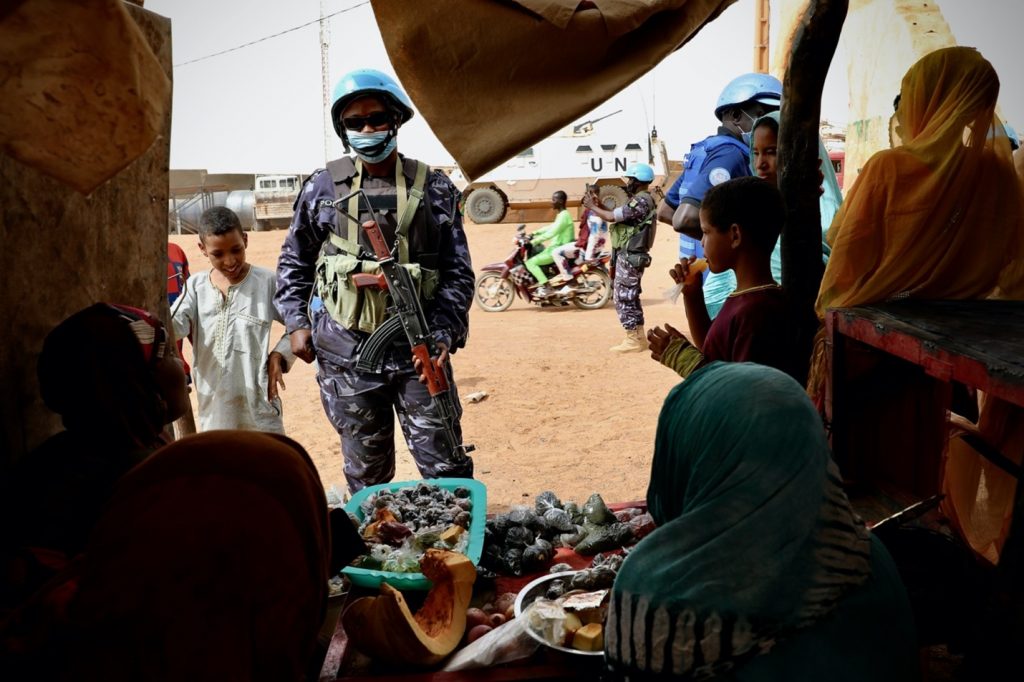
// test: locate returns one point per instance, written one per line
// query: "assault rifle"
(406, 315)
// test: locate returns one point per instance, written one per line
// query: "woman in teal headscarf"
(759, 569)
(763, 163)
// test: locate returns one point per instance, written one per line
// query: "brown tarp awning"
(492, 77)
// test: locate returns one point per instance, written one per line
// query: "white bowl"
(535, 590)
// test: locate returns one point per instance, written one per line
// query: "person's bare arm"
(693, 301)
(686, 220)
(665, 212)
(599, 210)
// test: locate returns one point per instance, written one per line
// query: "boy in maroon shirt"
(741, 220)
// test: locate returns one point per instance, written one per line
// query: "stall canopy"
(492, 77)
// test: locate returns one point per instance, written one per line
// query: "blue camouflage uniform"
(711, 161)
(361, 405)
(637, 212)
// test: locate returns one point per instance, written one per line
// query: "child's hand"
(687, 274)
(439, 362)
(658, 339)
(275, 373)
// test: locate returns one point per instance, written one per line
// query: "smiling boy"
(228, 310)
(740, 221)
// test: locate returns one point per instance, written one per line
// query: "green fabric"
(682, 357)
(621, 234)
(559, 232)
(534, 263)
(756, 542)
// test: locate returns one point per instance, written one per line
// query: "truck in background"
(274, 200)
(519, 190)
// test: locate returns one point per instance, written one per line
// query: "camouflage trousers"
(362, 408)
(627, 289)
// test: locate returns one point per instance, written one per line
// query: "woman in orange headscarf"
(939, 217)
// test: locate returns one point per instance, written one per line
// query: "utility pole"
(325, 80)
(761, 14)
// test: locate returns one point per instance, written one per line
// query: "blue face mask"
(373, 147)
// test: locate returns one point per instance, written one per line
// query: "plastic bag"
(505, 643)
(673, 292)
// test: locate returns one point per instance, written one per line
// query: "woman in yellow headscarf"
(939, 217)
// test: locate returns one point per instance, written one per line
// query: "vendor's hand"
(683, 274)
(440, 361)
(658, 339)
(302, 344)
(275, 374)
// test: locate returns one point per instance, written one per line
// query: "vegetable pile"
(524, 540)
(400, 525)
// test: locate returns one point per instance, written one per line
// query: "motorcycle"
(589, 286)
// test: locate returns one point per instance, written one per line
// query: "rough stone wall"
(61, 251)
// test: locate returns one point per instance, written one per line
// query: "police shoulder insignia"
(718, 175)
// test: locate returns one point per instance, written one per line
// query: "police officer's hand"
(658, 340)
(302, 344)
(439, 361)
(275, 374)
(683, 274)
(588, 201)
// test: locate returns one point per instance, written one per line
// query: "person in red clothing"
(741, 220)
(177, 276)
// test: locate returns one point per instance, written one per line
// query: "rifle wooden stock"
(380, 247)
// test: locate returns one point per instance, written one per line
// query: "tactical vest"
(405, 219)
(637, 237)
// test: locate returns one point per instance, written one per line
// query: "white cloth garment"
(230, 346)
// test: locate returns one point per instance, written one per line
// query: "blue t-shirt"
(710, 162)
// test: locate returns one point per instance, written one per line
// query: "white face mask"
(747, 135)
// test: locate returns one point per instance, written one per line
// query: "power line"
(275, 35)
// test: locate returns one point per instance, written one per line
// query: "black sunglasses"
(375, 119)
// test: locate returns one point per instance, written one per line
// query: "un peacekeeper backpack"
(341, 256)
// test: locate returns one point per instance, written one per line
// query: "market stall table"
(342, 663)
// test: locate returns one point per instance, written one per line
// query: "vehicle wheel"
(598, 290)
(485, 205)
(494, 293)
(612, 196)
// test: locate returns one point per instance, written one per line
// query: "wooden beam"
(814, 45)
(762, 31)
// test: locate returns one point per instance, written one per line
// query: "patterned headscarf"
(96, 371)
(755, 537)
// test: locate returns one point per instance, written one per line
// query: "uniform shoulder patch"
(718, 175)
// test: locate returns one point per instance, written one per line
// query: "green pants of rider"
(534, 263)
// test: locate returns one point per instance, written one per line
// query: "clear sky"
(259, 108)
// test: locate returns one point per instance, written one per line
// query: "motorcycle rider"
(632, 235)
(558, 233)
(591, 235)
(713, 160)
(323, 249)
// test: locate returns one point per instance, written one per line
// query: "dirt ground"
(562, 413)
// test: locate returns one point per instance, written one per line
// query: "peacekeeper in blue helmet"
(712, 161)
(632, 229)
(323, 249)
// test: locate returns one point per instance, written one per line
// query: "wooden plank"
(977, 343)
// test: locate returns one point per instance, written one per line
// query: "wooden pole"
(761, 34)
(814, 45)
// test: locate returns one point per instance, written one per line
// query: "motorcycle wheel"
(494, 293)
(598, 293)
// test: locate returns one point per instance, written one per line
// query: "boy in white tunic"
(228, 311)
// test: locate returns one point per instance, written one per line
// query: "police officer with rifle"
(417, 295)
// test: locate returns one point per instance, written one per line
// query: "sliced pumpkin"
(383, 627)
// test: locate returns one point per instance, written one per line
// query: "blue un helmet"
(641, 171)
(362, 82)
(750, 87)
